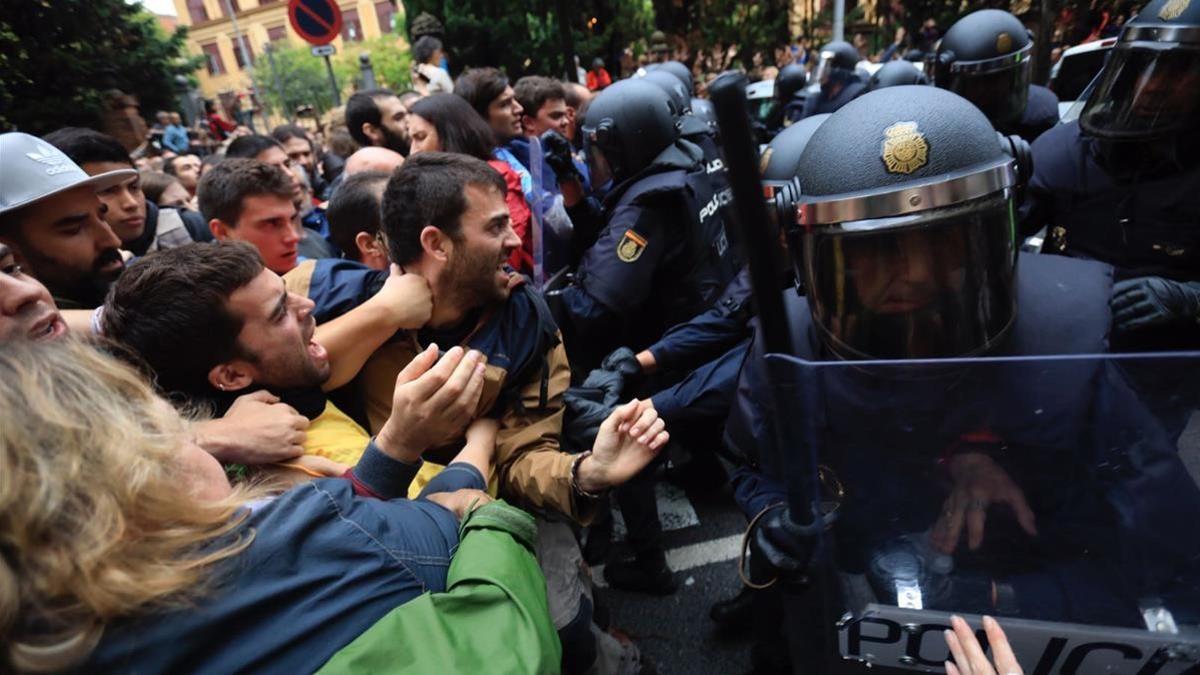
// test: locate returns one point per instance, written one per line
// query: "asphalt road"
(702, 540)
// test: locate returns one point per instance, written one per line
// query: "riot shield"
(1056, 493)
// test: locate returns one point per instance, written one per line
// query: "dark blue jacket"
(662, 257)
(1147, 227)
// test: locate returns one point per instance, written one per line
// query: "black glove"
(1153, 301)
(622, 360)
(784, 544)
(588, 405)
(558, 153)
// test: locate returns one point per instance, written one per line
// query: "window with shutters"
(351, 26)
(212, 59)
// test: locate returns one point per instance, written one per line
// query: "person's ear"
(372, 132)
(232, 376)
(369, 247)
(220, 231)
(435, 243)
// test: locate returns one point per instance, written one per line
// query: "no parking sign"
(317, 21)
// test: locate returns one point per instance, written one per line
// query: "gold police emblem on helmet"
(904, 149)
(1173, 9)
(1003, 43)
(630, 247)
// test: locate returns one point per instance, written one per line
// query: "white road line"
(691, 556)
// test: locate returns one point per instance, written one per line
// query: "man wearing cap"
(64, 242)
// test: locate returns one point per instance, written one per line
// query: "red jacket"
(521, 259)
(597, 80)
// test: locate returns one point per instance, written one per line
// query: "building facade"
(226, 68)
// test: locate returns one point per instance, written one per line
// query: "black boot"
(646, 573)
(736, 613)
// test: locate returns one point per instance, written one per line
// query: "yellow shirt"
(333, 435)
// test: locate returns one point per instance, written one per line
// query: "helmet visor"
(825, 67)
(1146, 90)
(929, 285)
(598, 167)
(1001, 94)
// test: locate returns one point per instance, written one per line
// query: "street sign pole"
(337, 95)
(318, 22)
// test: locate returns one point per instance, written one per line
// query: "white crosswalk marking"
(691, 556)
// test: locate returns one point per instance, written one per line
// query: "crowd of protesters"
(320, 400)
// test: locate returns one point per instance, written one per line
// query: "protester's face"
(422, 135)
(275, 156)
(299, 150)
(552, 115)
(504, 115)
(65, 243)
(393, 128)
(476, 266)
(174, 196)
(124, 203)
(26, 309)
(187, 170)
(176, 119)
(266, 222)
(277, 334)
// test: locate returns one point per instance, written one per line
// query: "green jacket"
(493, 617)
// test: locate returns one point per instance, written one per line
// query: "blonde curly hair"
(96, 518)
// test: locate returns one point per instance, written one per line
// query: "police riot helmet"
(985, 58)
(681, 73)
(1150, 86)
(681, 102)
(778, 166)
(781, 157)
(838, 62)
(905, 228)
(791, 79)
(894, 74)
(626, 126)
(702, 109)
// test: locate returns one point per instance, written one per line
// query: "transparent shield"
(1058, 494)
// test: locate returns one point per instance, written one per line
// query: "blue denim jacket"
(324, 566)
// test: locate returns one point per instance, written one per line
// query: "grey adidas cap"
(31, 170)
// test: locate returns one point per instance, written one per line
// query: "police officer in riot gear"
(840, 82)
(661, 258)
(895, 74)
(691, 128)
(663, 255)
(789, 96)
(906, 242)
(1120, 184)
(985, 58)
(680, 72)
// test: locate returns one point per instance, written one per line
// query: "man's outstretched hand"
(433, 402)
(630, 437)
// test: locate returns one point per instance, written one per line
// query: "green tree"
(524, 37)
(59, 57)
(305, 81)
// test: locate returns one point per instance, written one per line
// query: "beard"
(89, 289)
(394, 141)
(472, 277)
